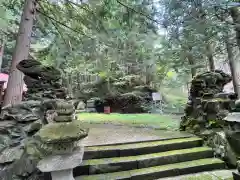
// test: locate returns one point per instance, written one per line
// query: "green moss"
(221, 100)
(93, 177)
(201, 177)
(144, 144)
(205, 176)
(117, 175)
(145, 157)
(32, 148)
(62, 132)
(149, 170)
(186, 164)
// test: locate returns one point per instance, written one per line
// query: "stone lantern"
(60, 145)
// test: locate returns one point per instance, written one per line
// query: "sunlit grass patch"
(156, 121)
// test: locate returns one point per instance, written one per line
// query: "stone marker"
(91, 105)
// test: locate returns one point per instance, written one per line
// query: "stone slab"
(61, 162)
(233, 117)
(161, 171)
(107, 165)
(223, 174)
(108, 134)
(210, 175)
(108, 151)
(11, 154)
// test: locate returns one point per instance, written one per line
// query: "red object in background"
(107, 110)
(4, 77)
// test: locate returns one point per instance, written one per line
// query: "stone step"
(131, 149)
(163, 171)
(208, 175)
(107, 165)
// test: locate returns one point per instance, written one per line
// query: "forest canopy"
(164, 43)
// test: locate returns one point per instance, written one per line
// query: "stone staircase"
(147, 160)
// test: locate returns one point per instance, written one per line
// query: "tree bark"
(191, 62)
(210, 57)
(202, 19)
(1, 55)
(232, 65)
(69, 85)
(78, 81)
(235, 14)
(15, 83)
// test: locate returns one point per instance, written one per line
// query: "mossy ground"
(156, 121)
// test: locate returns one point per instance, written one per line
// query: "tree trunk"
(232, 65)
(210, 57)
(78, 81)
(1, 55)
(235, 14)
(200, 14)
(193, 69)
(15, 83)
(69, 85)
(191, 62)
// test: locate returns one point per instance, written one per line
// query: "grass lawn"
(156, 121)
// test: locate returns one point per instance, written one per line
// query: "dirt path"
(100, 134)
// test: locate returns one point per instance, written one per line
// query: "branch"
(224, 19)
(141, 13)
(9, 33)
(60, 33)
(72, 29)
(82, 7)
(61, 23)
(57, 28)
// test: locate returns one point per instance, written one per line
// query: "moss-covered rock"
(207, 105)
(59, 105)
(113, 92)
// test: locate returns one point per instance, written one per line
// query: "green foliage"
(107, 38)
(115, 39)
